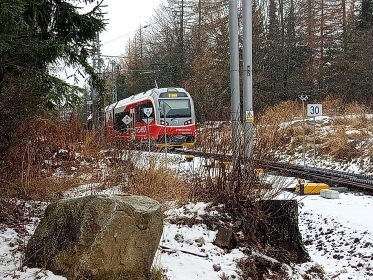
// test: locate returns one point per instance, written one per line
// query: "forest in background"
(314, 47)
(300, 47)
(319, 48)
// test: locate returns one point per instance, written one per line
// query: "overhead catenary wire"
(124, 35)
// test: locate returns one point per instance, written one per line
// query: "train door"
(133, 123)
(142, 119)
(122, 122)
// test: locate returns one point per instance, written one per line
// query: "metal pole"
(235, 82)
(96, 63)
(147, 121)
(247, 77)
(165, 132)
(314, 141)
(303, 98)
(304, 136)
(114, 94)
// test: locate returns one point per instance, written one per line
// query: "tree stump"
(279, 231)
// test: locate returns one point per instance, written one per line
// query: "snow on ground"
(338, 234)
(192, 254)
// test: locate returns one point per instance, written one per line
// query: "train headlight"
(188, 122)
(162, 122)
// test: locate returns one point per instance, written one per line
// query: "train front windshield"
(177, 108)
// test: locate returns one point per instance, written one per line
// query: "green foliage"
(35, 35)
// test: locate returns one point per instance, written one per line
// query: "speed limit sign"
(314, 110)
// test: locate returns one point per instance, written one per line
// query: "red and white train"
(164, 115)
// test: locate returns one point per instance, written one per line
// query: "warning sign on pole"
(148, 111)
(249, 116)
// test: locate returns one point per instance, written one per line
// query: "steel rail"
(332, 177)
(336, 178)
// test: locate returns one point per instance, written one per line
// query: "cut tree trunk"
(279, 233)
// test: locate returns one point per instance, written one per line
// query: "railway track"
(329, 176)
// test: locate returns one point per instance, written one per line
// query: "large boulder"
(98, 237)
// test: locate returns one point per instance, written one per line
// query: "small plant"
(158, 182)
(157, 273)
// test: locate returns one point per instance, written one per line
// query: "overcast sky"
(124, 19)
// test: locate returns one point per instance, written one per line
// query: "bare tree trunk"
(344, 24)
(322, 40)
(272, 225)
(279, 232)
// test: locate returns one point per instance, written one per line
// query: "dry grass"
(161, 184)
(51, 146)
(147, 175)
(49, 156)
(35, 153)
(214, 137)
(157, 273)
(343, 138)
(350, 136)
(52, 156)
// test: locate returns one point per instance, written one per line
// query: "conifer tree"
(35, 35)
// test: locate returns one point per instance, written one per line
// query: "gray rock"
(225, 238)
(216, 267)
(98, 237)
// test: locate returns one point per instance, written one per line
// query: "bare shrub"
(158, 182)
(339, 146)
(223, 182)
(43, 146)
(273, 129)
(214, 136)
(92, 143)
(259, 267)
(333, 106)
(240, 185)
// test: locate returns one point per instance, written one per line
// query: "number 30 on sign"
(314, 110)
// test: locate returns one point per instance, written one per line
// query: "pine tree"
(35, 35)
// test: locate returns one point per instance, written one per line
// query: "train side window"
(140, 111)
(119, 124)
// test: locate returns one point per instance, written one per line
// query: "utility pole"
(199, 23)
(114, 93)
(247, 78)
(303, 98)
(96, 63)
(235, 82)
(182, 41)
